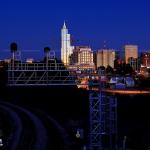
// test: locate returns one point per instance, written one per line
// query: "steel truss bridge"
(102, 106)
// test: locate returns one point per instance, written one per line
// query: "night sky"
(34, 24)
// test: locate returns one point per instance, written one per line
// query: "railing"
(36, 66)
(39, 74)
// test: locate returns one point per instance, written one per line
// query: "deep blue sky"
(34, 24)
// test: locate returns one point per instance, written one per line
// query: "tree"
(102, 68)
(109, 70)
(124, 69)
(128, 69)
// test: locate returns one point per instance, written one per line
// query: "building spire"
(64, 26)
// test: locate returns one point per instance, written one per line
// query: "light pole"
(13, 49)
(46, 51)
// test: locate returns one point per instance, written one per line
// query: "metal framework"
(103, 120)
(103, 107)
(39, 74)
(34, 74)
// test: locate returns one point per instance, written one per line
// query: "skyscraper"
(66, 48)
(105, 57)
(130, 51)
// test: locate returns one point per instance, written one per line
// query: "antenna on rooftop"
(104, 44)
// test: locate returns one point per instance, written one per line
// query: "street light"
(1, 143)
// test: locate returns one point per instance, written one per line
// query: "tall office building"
(66, 48)
(130, 51)
(85, 56)
(105, 57)
(82, 57)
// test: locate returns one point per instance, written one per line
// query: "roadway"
(126, 91)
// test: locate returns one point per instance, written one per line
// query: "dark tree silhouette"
(124, 69)
(109, 70)
(102, 68)
(128, 69)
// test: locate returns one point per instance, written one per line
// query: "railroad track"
(34, 130)
(57, 134)
(29, 132)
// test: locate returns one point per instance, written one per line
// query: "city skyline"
(75, 75)
(34, 25)
(66, 45)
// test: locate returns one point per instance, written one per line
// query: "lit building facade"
(145, 64)
(66, 48)
(82, 57)
(85, 56)
(130, 51)
(105, 57)
(145, 59)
